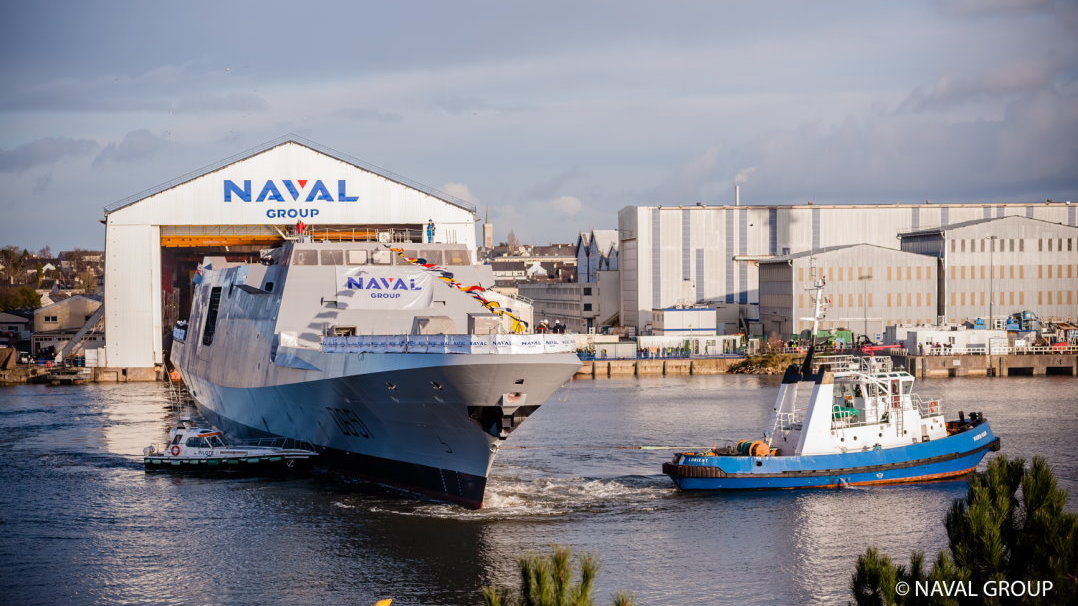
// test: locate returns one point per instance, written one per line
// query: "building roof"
(67, 299)
(940, 229)
(304, 142)
(830, 249)
(605, 239)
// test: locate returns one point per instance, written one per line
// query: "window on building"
(1021, 244)
(587, 291)
(587, 307)
(50, 318)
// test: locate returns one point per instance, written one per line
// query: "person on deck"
(430, 231)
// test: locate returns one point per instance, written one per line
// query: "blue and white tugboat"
(860, 423)
(193, 448)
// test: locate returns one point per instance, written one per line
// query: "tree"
(1012, 526)
(548, 581)
(19, 297)
(15, 262)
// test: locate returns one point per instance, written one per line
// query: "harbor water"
(84, 524)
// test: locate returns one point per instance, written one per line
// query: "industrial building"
(155, 240)
(592, 300)
(992, 268)
(682, 255)
(68, 327)
(867, 288)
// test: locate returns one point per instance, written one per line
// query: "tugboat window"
(211, 316)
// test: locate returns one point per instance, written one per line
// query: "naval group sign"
(288, 190)
(383, 288)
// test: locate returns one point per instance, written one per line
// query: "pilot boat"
(859, 423)
(193, 448)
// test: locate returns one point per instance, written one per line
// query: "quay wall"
(989, 366)
(602, 369)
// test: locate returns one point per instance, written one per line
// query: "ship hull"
(427, 423)
(950, 457)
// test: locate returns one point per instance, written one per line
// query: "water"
(83, 524)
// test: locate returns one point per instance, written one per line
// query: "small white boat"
(192, 448)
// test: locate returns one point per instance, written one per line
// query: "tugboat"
(193, 448)
(860, 424)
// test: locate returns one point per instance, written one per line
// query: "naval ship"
(395, 364)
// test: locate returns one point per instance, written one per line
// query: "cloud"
(365, 114)
(742, 175)
(460, 190)
(1010, 78)
(566, 205)
(690, 180)
(136, 146)
(41, 184)
(167, 89)
(43, 152)
(551, 187)
(984, 8)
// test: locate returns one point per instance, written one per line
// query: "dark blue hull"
(949, 457)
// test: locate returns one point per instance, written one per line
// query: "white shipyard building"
(681, 255)
(155, 240)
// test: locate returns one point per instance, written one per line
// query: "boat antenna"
(818, 313)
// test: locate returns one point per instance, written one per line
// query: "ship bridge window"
(197, 443)
(305, 257)
(332, 257)
(456, 257)
(357, 257)
(211, 315)
(382, 257)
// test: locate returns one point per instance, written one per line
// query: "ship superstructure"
(394, 363)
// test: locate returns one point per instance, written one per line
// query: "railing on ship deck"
(473, 344)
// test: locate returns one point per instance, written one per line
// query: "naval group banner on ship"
(384, 288)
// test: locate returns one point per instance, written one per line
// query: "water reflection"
(77, 505)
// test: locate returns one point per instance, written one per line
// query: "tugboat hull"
(953, 456)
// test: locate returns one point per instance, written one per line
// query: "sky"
(549, 116)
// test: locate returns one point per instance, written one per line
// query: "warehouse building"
(156, 239)
(867, 288)
(992, 268)
(682, 255)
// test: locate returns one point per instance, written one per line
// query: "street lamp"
(864, 302)
(991, 277)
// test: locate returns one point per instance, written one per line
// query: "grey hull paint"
(417, 414)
